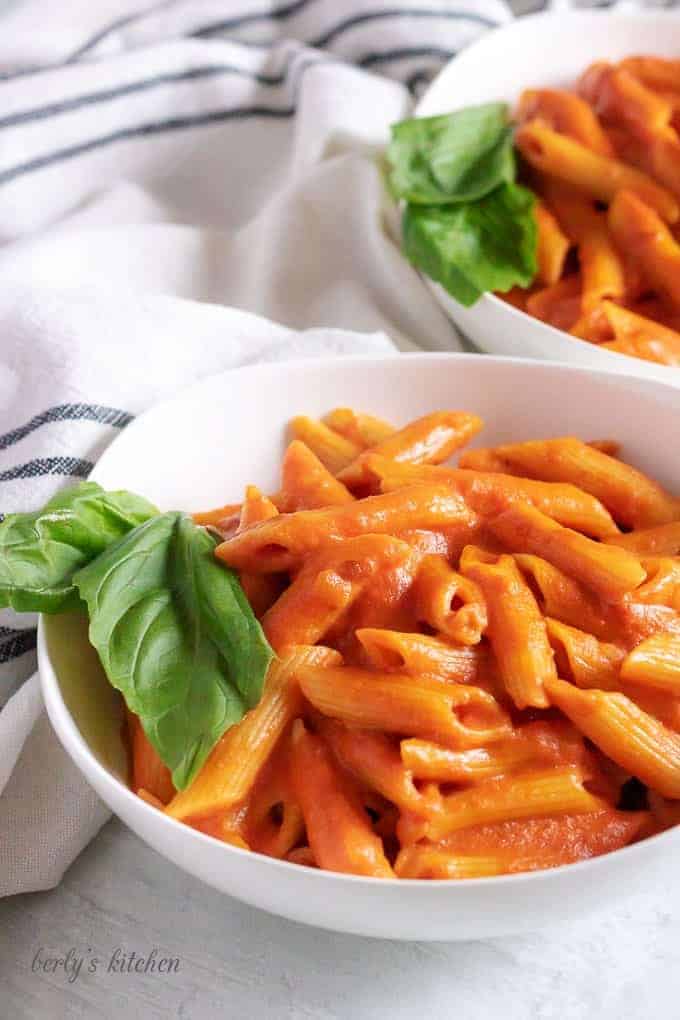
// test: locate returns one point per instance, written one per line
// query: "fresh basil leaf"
(39, 552)
(176, 637)
(482, 246)
(457, 157)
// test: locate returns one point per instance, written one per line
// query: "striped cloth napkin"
(168, 174)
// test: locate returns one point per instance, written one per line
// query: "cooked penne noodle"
(516, 630)
(633, 739)
(566, 113)
(563, 598)
(148, 771)
(333, 450)
(655, 663)
(228, 774)
(655, 72)
(338, 830)
(580, 657)
(662, 586)
(662, 540)
(219, 515)
(553, 791)
(374, 760)
(449, 602)
(363, 429)
(306, 484)
(255, 508)
(523, 529)
(327, 585)
(640, 337)
(428, 440)
(432, 862)
(489, 492)
(553, 246)
(273, 822)
(620, 98)
(282, 542)
(389, 650)
(633, 498)
(456, 715)
(559, 305)
(600, 177)
(637, 227)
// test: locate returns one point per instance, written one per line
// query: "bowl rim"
(79, 751)
(519, 25)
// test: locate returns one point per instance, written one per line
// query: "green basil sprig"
(466, 223)
(176, 637)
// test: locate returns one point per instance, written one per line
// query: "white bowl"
(543, 50)
(198, 451)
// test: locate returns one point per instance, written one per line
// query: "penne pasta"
(634, 499)
(339, 833)
(621, 99)
(391, 650)
(428, 440)
(362, 429)
(327, 585)
(523, 529)
(456, 715)
(489, 492)
(661, 540)
(552, 791)
(633, 739)
(333, 450)
(640, 337)
(553, 246)
(566, 113)
(584, 660)
(306, 484)
(282, 542)
(448, 602)
(600, 177)
(655, 663)
(516, 630)
(636, 226)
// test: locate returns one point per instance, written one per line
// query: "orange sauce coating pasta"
(472, 658)
(604, 160)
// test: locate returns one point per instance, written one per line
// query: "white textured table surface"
(238, 962)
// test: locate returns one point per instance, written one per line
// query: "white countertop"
(241, 963)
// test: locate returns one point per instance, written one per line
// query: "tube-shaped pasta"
(633, 498)
(232, 766)
(428, 440)
(516, 630)
(255, 508)
(655, 72)
(523, 529)
(633, 739)
(429, 761)
(219, 515)
(552, 791)
(637, 227)
(449, 602)
(148, 771)
(375, 761)
(655, 663)
(363, 429)
(559, 305)
(389, 650)
(662, 540)
(281, 543)
(456, 715)
(489, 492)
(582, 658)
(333, 450)
(566, 113)
(640, 337)
(432, 862)
(662, 586)
(327, 585)
(601, 177)
(563, 598)
(552, 248)
(619, 98)
(338, 828)
(306, 484)
(273, 822)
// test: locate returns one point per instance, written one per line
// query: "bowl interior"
(200, 450)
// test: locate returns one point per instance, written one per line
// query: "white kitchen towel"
(165, 173)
